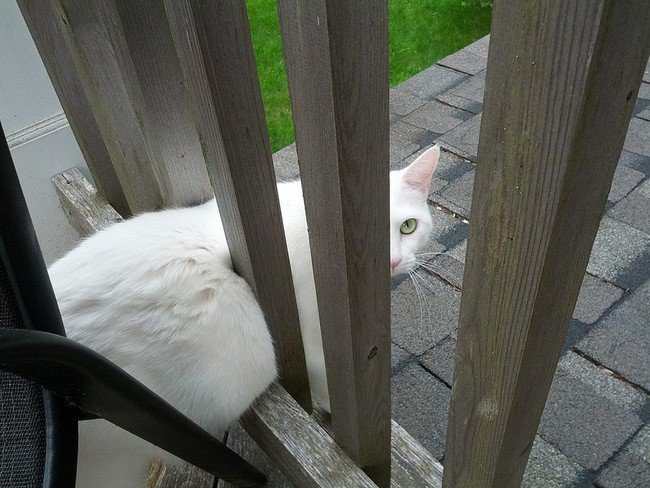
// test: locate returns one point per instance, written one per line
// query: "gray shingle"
(577, 330)
(631, 467)
(448, 268)
(480, 47)
(399, 150)
(286, 163)
(640, 106)
(467, 95)
(644, 91)
(398, 357)
(437, 117)
(457, 196)
(440, 360)
(451, 167)
(420, 405)
(584, 423)
(445, 227)
(591, 413)
(462, 103)
(644, 114)
(453, 235)
(548, 467)
(405, 139)
(621, 254)
(421, 320)
(604, 383)
(636, 161)
(431, 82)
(638, 137)
(621, 340)
(634, 209)
(625, 180)
(463, 140)
(402, 102)
(470, 59)
(458, 252)
(594, 299)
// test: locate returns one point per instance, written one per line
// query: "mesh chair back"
(22, 417)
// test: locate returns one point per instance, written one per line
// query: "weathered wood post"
(116, 72)
(60, 65)
(336, 54)
(561, 84)
(215, 48)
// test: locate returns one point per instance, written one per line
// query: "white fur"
(157, 295)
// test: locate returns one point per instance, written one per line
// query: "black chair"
(48, 382)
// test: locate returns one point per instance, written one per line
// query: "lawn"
(420, 33)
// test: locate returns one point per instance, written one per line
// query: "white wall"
(40, 139)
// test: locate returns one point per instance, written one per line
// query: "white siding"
(41, 142)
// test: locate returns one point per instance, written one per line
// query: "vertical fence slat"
(216, 52)
(129, 96)
(92, 37)
(336, 55)
(561, 84)
(43, 26)
(159, 89)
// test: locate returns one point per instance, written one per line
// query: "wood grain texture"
(87, 211)
(305, 453)
(561, 84)
(157, 87)
(93, 36)
(60, 65)
(216, 53)
(336, 55)
(163, 475)
(243, 444)
(411, 464)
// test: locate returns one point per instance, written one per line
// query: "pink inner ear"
(419, 173)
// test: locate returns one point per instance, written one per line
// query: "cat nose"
(394, 262)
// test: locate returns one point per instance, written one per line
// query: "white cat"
(157, 295)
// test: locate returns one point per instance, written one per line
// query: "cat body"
(157, 295)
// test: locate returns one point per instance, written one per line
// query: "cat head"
(410, 219)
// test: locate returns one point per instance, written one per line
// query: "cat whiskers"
(422, 260)
(419, 293)
(428, 285)
(426, 265)
(439, 253)
(420, 283)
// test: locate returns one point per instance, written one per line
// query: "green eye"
(408, 226)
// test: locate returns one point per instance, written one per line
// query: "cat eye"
(408, 226)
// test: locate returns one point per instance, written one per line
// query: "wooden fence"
(163, 98)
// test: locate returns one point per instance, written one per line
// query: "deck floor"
(595, 429)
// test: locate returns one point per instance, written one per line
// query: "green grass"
(420, 33)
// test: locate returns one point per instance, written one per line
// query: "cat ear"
(417, 175)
